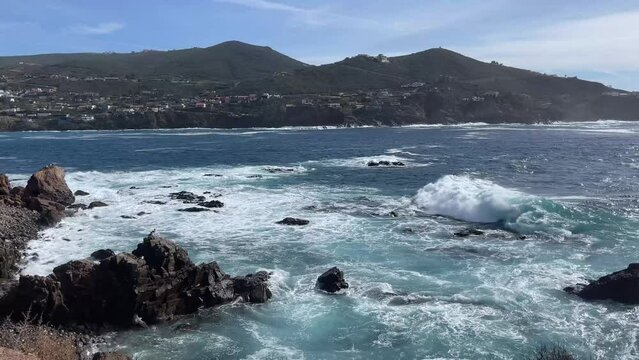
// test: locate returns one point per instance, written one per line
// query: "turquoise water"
(417, 291)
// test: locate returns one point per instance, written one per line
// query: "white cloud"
(607, 43)
(98, 29)
(265, 5)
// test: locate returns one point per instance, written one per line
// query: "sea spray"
(464, 198)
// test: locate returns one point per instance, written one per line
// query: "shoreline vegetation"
(62, 315)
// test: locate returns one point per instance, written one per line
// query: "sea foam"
(469, 199)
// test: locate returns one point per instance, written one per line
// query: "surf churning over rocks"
(415, 288)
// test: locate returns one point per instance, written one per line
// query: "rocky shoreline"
(26, 210)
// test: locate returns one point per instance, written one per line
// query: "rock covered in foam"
(332, 280)
(621, 286)
(155, 283)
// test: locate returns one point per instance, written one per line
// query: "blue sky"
(596, 40)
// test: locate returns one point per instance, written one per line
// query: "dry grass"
(39, 340)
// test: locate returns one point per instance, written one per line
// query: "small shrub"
(39, 340)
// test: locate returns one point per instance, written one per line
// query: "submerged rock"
(211, 204)
(187, 197)
(279, 170)
(78, 206)
(95, 204)
(194, 209)
(80, 193)
(621, 286)
(468, 232)
(385, 163)
(331, 281)
(293, 221)
(155, 283)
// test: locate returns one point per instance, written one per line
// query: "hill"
(228, 61)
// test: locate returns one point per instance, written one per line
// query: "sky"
(594, 40)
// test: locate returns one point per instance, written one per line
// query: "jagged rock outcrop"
(49, 184)
(155, 283)
(621, 286)
(331, 281)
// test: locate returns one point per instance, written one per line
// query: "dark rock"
(213, 175)
(161, 254)
(95, 204)
(331, 281)
(468, 232)
(51, 212)
(166, 186)
(621, 286)
(385, 163)
(142, 213)
(293, 221)
(279, 170)
(211, 204)
(110, 356)
(134, 188)
(253, 288)
(102, 254)
(155, 283)
(254, 177)
(17, 226)
(5, 186)
(155, 202)
(393, 214)
(127, 217)
(49, 184)
(17, 191)
(80, 193)
(187, 197)
(194, 209)
(78, 206)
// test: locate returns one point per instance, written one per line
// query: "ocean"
(558, 204)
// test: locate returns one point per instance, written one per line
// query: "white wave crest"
(469, 199)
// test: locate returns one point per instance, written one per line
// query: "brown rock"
(5, 186)
(51, 212)
(49, 183)
(110, 356)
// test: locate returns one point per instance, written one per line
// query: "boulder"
(80, 193)
(102, 254)
(331, 281)
(253, 288)
(5, 186)
(621, 286)
(157, 282)
(49, 183)
(51, 212)
(17, 191)
(211, 204)
(110, 356)
(95, 204)
(293, 221)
